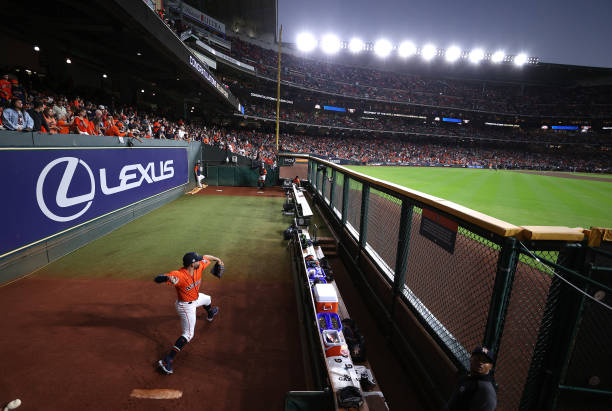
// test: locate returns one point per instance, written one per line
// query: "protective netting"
(353, 212)
(589, 365)
(384, 212)
(452, 292)
(524, 316)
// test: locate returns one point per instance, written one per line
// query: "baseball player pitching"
(187, 282)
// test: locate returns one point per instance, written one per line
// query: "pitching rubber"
(157, 394)
(12, 405)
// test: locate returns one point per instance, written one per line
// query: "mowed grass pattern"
(518, 198)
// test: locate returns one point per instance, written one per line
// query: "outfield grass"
(245, 232)
(518, 198)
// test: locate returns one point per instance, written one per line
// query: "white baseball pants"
(187, 313)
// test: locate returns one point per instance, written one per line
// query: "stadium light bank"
(383, 48)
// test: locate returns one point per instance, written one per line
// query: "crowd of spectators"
(387, 150)
(48, 112)
(53, 113)
(439, 92)
(428, 126)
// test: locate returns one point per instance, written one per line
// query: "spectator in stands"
(112, 129)
(96, 124)
(59, 109)
(6, 92)
(51, 121)
(16, 118)
(476, 391)
(81, 123)
(36, 112)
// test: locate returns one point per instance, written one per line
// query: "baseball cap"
(191, 257)
(486, 352)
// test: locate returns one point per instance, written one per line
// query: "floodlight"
(356, 45)
(306, 42)
(429, 52)
(476, 56)
(104, 76)
(383, 48)
(407, 49)
(452, 54)
(520, 59)
(330, 44)
(36, 48)
(498, 56)
(68, 61)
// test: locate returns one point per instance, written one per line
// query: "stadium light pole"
(306, 42)
(406, 49)
(521, 59)
(452, 54)
(476, 56)
(383, 48)
(278, 81)
(498, 57)
(330, 44)
(356, 46)
(429, 52)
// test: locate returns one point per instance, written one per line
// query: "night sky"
(575, 32)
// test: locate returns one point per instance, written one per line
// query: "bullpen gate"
(443, 279)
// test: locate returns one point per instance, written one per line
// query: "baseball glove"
(218, 270)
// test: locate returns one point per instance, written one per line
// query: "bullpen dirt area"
(86, 344)
(565, 175)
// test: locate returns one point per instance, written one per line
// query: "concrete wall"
(29, 259)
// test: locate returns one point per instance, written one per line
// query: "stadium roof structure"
(122, 42)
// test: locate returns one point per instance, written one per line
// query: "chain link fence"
(524, 318)
(353, 209)
(384, 211)
(452, 290)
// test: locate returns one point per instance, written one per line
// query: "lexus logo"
(130, 176)
(61, 198)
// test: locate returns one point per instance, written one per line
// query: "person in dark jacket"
(36, 113)
(476, 391)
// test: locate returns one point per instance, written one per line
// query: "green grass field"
(245, 232)
(518, 198)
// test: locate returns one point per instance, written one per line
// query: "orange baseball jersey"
(187, 287)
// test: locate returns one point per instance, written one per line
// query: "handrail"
(495, 225)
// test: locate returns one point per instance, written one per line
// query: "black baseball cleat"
(212, 312)
(165, 366)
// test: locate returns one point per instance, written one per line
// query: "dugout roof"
(121, 38)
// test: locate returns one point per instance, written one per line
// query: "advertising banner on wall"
(49, 191)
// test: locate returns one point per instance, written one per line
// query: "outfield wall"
(64, 191)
